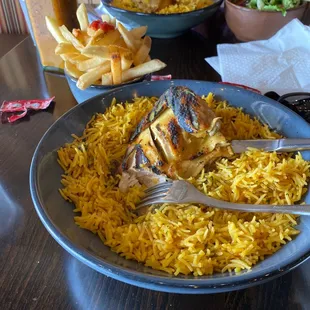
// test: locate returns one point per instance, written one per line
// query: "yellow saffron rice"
(179, 6)
(183, 238)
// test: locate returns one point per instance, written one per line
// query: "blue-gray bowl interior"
(57, 215)
(160, 25)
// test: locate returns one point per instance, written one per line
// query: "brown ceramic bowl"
(250, 24)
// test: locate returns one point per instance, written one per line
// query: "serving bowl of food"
(102, 54)
(260, 20)
(91, 169)
(164, 18)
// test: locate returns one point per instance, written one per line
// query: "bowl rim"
(216, 3)
(243, 8)
(143, 78)
(164, 283)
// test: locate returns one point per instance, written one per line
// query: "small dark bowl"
(160, 25)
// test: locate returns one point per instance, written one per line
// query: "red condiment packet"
(13, 118)
(242, 86)
(161, 77)
(23, 106)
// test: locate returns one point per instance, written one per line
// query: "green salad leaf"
(273, 5)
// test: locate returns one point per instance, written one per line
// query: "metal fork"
(180, 192)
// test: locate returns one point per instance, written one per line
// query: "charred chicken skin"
(178, 138)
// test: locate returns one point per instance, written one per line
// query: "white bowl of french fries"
(103, 53)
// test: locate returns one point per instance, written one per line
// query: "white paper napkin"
(281, 64)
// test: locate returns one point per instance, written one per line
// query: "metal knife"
(279, 145)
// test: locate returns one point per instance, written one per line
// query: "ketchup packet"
(161, 77)
(23, 106)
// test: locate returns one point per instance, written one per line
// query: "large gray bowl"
(163, 26)
(57, 216)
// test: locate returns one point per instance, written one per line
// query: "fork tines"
(154, 194)
(158, 187)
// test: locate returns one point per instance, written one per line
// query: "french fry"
(120, 42)
(65, 48)
(72, 70)
(128, 37)
(98, 34)
(94, 33)
(143, 69)
(69, 56)
(77, 33)
(116, 65)
(87, 39)
(126, 56)
(53, 28)
(139, 32)
(126, 62)
(106, 18)
(122, 50)
(97, 51)
(81, 36)
(143, 51)
(98, 82)
(91, 41)
(109, 38)
(93, 75)
(113, 21)
(136, 72)
(90, 63)
(78, 59)
(106, 79)
(82, 17)
(70, 37)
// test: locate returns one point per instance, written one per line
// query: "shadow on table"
(216, 31)
(91, 290)
(185, 56)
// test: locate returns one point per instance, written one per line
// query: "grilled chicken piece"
(151, 6)
(178, 138)
(164, 3)
(147, 6)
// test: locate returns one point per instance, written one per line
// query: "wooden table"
(9, 41)
(35, 272)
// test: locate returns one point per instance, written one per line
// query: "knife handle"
(292, 145)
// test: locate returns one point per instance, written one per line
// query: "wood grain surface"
(7, 42)
(35, 272)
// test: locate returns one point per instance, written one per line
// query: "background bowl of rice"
(57, 216)
(162, 25)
